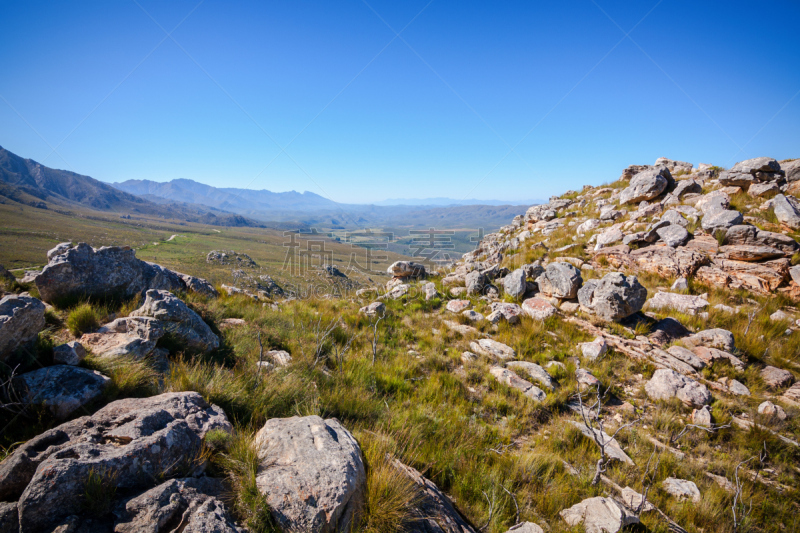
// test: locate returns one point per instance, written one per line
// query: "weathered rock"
(508, 377)
(702, 417)
(560, 280)
(721, 220)
(405, 269)
(687, 356)
(666, 384)
(787, 210)
(681, 489)
(613, 297)
(735, 387)
(473, 316)
(533, 370)
(711, 355)
(110, 270)
(430, 291)
(493, 349)
(504, 311)
(599, 515)
(791, 169)
(713, 338)
(538, 308)
(398, 291)
(587, 226)
(761, 277)
(586, 378)
(134, 337)
(193, 503)
(674, 218)
(608, 237)
(70, 353)
(792, 395)
(61, 388)
(433, 511)
(177, 319)
(667, 330)
(633, 500)
(689, 186)
(21, 320)
(9, 517)
(771, 410)
(373, 309)
(713, 202)
(752, 236)
(132, 441)
(514, 284)
(680, 284)
(673, 235)
(204, 287)
(475, 282)
(685, 303)
(776, 378)
(763, 189)
(525, 527)
(646, 185)
(595, 349)
(59, 249)
(457, 306)
(744, 252)
(665, 261)
(311, 474)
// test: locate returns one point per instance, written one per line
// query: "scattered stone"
(633, 500)
(613, 297)
(507, 377)
(468, 357)
(721, 220)
(473, 316)
(493, 349)
(721, 339)
(792, 395)
(763, 189)
(702, 417)
(787, 210)
(457, 306)
(311, 474)
(21, 320)
(735, 387)
(667, 330)
(779, 316)
(406, 269)
(177, 319)
(70, 353)
(599, 515)
(684, 303)
(61, 388)
(712, 202)
(475, 282)
(585, 378)
(646, 185)
(608, 237)
(673, 235)
(681, 489)
(560, 280)
(134, 337)
(666, 384)
(232, 323)
(776, 378)
(680, 284)
(771, 410)
(536, 372)
(373, 309)
(430, 291)
(525, 527)
(711, 355)
(514, 284)
(595, 349)
(687, 356)
(538, 309)
(505, 311)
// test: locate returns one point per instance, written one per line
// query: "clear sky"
(325, 97)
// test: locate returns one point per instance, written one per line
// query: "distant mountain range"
(440, 202)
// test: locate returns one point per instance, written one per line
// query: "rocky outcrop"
(108, 271)
(61, 388)
(745, 173)
(666, 384)
(176, 318)
(129, 443)
(134, 337)
(560, 280)
(599, 515)
(685, 303)
(613, 297)
(787, 210)
(311, 474)
(21, 320)
(646, 185)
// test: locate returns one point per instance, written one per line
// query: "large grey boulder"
(107, 271)
(791, 169)
(682, 489)
(608, 237)
(514, 284)
(560, 280)
(673, 165)
(405, 269)
(134, 337)
(599, 515)
(538, 308)
(674, 218)
(130, 442)
(685, 303)
(745, 173)
(687, 187)
(673, 235)
(21, 320)
(475, 282)
(61, 388)
(752, 236)
(719, 338)
(69, 353)
(712, 202)
(787, 210)
(666, 384)
(721, 220)
(646, 185)
(614, 297)
(176, 318)
(193, 503)
(311, 474)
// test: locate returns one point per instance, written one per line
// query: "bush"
(83, 319)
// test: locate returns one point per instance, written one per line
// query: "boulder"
(585, 378)
(599, 515)
(504, 311)
(681, 489)
(433, 512)
(673, 235)
(473, 316)
(536, 372)
(735, 387)
(711, 355)
(702, 417)
(721, 220)
(59, 249)
(61, 388)
(311, 474)
(792, 395)
(763, 189)
(595, 349)
(587, 226)
(475, 282)
(430, 291)
(687, 356)
(560, 280)
(397, 291)
(373, 309)
(70, 353)
(134, 337)
(613, 449)
(685, 303)
(405, 269)
(204, 287)
(457, 306)
(674, 218)
(666, 384)
(493, 349)
(680, 284)
(745, 252)
(136, 440)
(514, 284)
(608, 237)
(525, 527)
(193, 503)
(689, 186)
(646, 185)
(771, 410)
(177, 319)
(776, 378)
(713, 338)
(787, 210)
(538, 308)
(613, 297)
(21, 320)
(665, 261)
(792, 169)
(713, 202)
(508, 377)
(110, 270)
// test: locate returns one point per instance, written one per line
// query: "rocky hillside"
(621, 357)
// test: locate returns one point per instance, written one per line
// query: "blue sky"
(323, 96)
